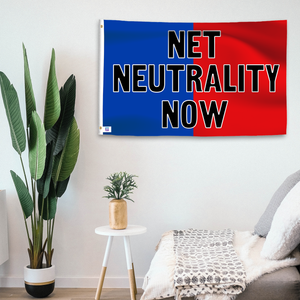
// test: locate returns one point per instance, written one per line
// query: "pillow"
(284, 235)
(263, 226)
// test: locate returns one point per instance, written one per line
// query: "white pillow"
(284, 235)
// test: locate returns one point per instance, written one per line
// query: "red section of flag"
(254, 45)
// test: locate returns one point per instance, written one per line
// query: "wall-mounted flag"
(192, 79)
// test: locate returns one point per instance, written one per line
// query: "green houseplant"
(121, 185)
(53, 147)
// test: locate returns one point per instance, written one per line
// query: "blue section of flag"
(139, 113)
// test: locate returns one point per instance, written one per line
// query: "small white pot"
(39, 283)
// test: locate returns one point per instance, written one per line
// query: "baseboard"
(90, 282)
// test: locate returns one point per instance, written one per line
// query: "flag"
(192, 79)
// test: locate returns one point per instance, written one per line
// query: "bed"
(282, 284)
(269, 255)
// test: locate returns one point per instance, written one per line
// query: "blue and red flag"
(193, 79)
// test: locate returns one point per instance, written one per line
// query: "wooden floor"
(71, 294)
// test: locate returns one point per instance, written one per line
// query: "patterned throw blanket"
(206, 262)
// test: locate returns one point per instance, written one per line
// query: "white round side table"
(125, 233)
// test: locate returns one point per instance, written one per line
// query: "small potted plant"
(121, 185)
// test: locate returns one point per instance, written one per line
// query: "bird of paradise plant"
(53, 147)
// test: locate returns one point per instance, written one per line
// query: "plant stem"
(27, 231)
(31, 218)
(49, 243)
(33, 182)
(24, 172)
(48, 233)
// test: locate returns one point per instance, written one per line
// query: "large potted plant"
(53, 147)
(121, 185)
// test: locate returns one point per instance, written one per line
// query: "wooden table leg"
(135, 289)
(104, 267)
(100, 284)
(129, 267)
(132, 284)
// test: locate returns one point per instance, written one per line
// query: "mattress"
(266, 279)
(280, 285)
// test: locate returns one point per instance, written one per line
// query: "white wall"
(183, 181)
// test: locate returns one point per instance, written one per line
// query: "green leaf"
(50, 204)
(29, 95)
(52, 133)
(52, 103)
(65, 161)
(41, 205)
(43, 184)
(67, 96)
(37, 147)
(23, 194)
(13, 113)
(60, 130)
(61, 187)
(122, 184)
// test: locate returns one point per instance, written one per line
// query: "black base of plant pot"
(39, 291)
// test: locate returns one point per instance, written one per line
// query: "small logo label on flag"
(107, 129)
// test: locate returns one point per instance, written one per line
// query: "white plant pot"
(39, 283)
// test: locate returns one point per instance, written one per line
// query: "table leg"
(104, 266)
(135, 289)
(130, 268)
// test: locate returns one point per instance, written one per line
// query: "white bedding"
(159, 281)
